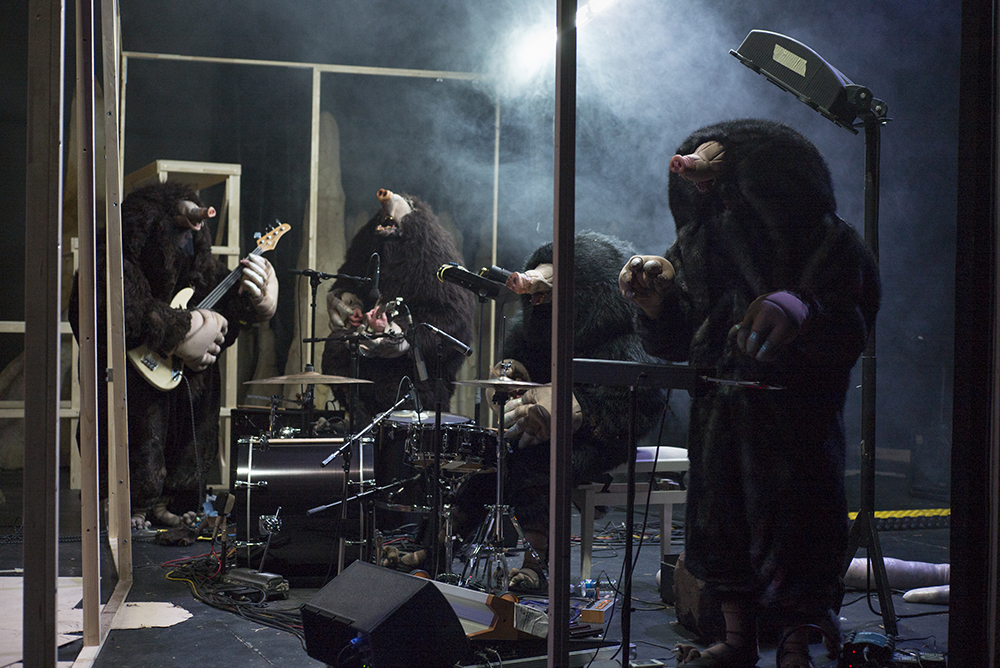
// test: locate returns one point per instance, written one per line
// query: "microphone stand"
(436, 468)
(479, 359)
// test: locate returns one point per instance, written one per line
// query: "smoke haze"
(649, 72)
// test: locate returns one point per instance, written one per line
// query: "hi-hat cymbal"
(502, 384)
(426, 417)
(307, 378)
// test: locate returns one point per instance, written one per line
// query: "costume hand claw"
(528, 418)
(344, 310)
(261, 283)
(203, 343)
(771, 322)
(644, 279)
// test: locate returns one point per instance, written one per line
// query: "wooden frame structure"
(973, 633)
(44, 190)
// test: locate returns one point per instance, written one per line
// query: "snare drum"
(465, 448)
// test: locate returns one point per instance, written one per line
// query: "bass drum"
(276, 484)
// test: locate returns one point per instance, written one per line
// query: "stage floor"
(204, 635)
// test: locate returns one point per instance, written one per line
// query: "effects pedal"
(273, 585)
(867, 649)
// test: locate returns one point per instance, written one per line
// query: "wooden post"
(43, 301)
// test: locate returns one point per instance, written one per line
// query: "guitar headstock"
(269, 240)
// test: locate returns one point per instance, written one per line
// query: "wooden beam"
(43, 302)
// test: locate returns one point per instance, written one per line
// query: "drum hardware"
(489, 550)
(345, 451)
(283, 474)
(268, 525)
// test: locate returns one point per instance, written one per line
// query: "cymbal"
(426, 417)
(502, 384)
(307, 378)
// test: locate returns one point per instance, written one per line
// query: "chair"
(588, 497)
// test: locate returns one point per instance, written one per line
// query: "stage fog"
(650, 72)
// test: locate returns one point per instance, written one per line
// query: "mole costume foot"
(720, 655)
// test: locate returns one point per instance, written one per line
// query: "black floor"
(217, 637)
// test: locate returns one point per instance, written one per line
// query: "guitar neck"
(228, 282)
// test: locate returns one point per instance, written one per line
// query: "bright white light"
(585, 14)
(536, 47)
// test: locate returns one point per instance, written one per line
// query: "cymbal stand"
(489, 539)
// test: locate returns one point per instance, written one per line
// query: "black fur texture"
(409, 260)
(173, 436)
(766, 507)
(603, 328)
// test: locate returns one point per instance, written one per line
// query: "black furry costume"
(766, 507)
(603, 328)
(173, 436)
(409, 260)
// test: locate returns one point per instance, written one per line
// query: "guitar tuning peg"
(256, 235)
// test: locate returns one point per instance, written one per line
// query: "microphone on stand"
(372, 276)
(459, 275)
(462, 348)
(418, 359)
(495, 273)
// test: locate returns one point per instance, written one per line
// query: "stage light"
(794, 67)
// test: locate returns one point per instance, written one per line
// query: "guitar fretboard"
(228, 282)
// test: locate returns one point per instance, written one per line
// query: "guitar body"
(163, 373)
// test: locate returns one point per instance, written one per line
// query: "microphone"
(459, 275)
(372, 276)
(464, 349)
(495, 273)
(418, 359)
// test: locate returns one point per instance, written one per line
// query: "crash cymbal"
(502, 384)
(307, 378)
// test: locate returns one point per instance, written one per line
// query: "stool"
(591, 495)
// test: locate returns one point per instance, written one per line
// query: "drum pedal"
(273, 585)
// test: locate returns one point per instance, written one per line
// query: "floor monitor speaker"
(369, 615)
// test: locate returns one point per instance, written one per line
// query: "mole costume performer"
(763, 284)
(604, 328)
(173, 435)
(411, 244)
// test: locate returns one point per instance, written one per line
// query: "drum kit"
(403, 462)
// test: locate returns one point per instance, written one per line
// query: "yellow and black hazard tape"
(922, 518)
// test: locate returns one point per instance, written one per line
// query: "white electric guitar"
(165, 373)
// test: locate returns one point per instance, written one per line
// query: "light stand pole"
(794, 67)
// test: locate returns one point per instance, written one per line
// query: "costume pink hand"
(261, 283)
(377, 322)
(644, 279)
(203, 343)
(344, 310)
(771, 322)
